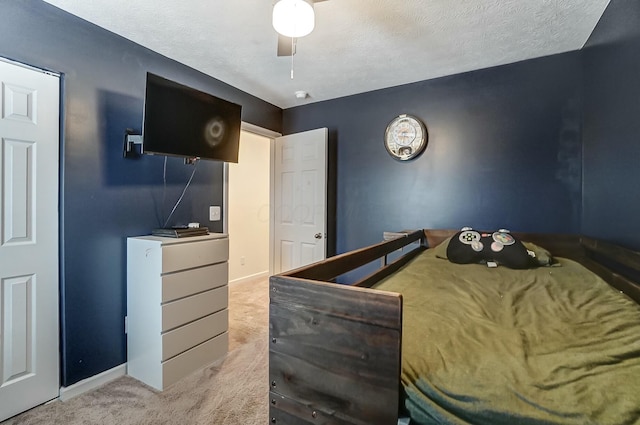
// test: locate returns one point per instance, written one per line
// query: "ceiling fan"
(292, 19)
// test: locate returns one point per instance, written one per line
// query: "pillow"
(540, 256)
(471, 246)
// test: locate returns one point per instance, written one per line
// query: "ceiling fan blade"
(285, 45)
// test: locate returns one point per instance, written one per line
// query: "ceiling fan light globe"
(293, 18)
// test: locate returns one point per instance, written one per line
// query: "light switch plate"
(214, 213)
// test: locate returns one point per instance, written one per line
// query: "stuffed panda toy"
(471, 246)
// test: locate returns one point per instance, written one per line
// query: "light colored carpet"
(232, 391)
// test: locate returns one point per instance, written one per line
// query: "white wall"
(248, 192)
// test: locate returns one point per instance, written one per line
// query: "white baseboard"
(256, 276)
(92, 382)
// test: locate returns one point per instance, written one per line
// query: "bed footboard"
(335, 350)
(334, 354)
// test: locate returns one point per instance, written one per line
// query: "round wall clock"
(405, 137)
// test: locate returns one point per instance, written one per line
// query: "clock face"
(405, 137)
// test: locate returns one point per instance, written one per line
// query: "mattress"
(551, 345)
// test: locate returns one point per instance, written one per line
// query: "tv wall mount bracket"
(131, 139)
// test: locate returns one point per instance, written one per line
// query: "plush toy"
(471, 246)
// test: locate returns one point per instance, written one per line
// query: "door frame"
(271, 135)
(330, 182)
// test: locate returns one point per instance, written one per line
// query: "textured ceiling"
(357, 45)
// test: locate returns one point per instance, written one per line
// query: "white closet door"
(29, 146)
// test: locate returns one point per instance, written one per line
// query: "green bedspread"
(553, 345)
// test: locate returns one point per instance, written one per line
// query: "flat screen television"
(182, 121)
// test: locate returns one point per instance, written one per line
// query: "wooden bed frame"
(335, 349)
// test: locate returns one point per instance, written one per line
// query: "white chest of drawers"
(177, 298)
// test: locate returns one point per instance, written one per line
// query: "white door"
(29, 130)
(300, 199)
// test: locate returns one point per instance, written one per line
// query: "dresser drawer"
(185, 337)
(194, 359)
(189, 282)
(185, 310)
(181, 256)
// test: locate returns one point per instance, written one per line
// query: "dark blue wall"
(611, 200)
(504, 152)
(105, 198)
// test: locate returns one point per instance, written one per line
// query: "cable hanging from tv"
(164, 178)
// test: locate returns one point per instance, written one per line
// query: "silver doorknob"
(318, 236)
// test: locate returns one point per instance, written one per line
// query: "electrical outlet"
(242, 261)
(214, 213)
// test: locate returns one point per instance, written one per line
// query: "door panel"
(300, 199)
(29, 145)
(18, 191)
(17, 320)
(285, 253)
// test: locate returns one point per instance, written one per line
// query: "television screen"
(182, 121)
